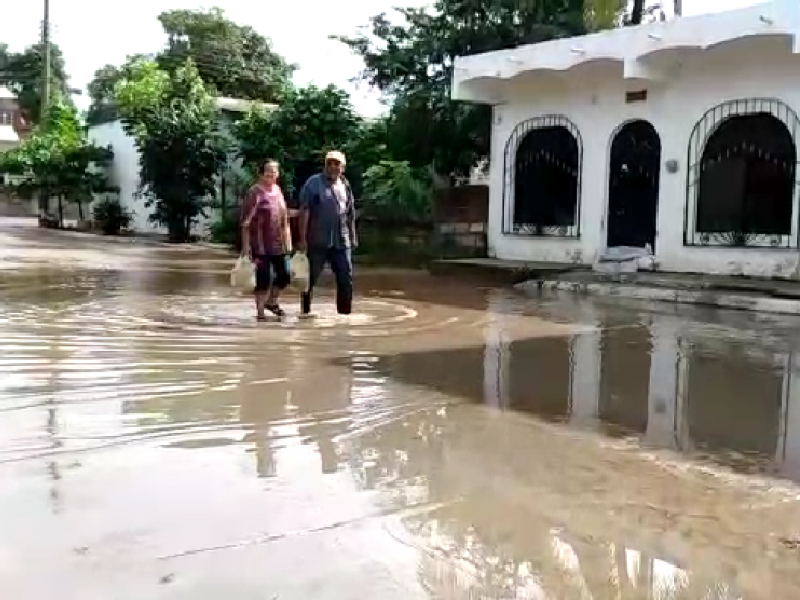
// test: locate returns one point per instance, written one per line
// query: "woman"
(267, 239)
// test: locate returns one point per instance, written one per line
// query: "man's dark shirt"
(331, 213)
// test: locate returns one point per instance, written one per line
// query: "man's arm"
(351, 217)
(304, 216)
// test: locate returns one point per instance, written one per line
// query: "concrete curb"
(742, 301)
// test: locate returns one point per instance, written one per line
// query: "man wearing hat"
(327, 231)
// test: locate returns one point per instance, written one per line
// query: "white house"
(8, 108)
(124, 169)
(680, 135)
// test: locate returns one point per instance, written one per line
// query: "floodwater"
(451, 440)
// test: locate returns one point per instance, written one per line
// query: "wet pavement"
(451, 440)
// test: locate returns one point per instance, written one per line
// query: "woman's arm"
(287, 229)
(248, 210)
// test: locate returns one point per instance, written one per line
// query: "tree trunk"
(44, 201)
(80, 210)
(637, 12)
(678, 8)
(60, 212)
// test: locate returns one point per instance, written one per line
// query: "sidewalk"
(740, 293)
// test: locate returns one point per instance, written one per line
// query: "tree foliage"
(21, 72)
(102, 90)
(308, 123)
(111, 216)
(233, 60)
(410, 56)
(58, 160)
(394, 192)
(174, 121)
(411, 59)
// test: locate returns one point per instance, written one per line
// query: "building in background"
(124, 170)
(676, 138)
(13, 126)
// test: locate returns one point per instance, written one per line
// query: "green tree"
(309, 122)
(233, 60)
(394, 192)
(412, 62)
(368, 147)
(604, 14)
(102, 88)
(175, 124)
(22, 73)
(58, 160)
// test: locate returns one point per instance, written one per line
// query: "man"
(327, 231)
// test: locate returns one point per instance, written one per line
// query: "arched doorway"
(542, 171)
(633, 185)
(746, 182)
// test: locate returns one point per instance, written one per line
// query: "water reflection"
(257, 438)
(516, 550)
(689, 386)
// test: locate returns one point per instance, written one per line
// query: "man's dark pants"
(341, 263)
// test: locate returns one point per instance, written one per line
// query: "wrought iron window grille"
(742, 176)
(542, 164)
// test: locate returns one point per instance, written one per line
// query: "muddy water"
(451, 440)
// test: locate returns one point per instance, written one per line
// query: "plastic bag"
(243, 274)
(300, 271)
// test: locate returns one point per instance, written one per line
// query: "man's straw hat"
(335, 155)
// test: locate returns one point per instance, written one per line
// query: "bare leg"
(280, 267)
(263, 286)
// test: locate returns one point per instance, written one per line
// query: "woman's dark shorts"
(272, 269)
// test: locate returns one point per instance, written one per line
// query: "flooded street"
(451, 440)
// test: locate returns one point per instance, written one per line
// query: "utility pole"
(46, 61)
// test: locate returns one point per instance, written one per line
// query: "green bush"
(226, 229)
(394, 192)
(111, 216)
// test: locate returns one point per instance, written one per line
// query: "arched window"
(542, 175)
(743, 176)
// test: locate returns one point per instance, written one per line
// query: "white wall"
(124, 173)
(593, 97)
(6, 146)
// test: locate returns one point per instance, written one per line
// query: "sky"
(92, 33)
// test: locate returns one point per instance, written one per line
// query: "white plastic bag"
(243, 274)
(300, 271)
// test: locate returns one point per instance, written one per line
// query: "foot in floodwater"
(276, 310)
